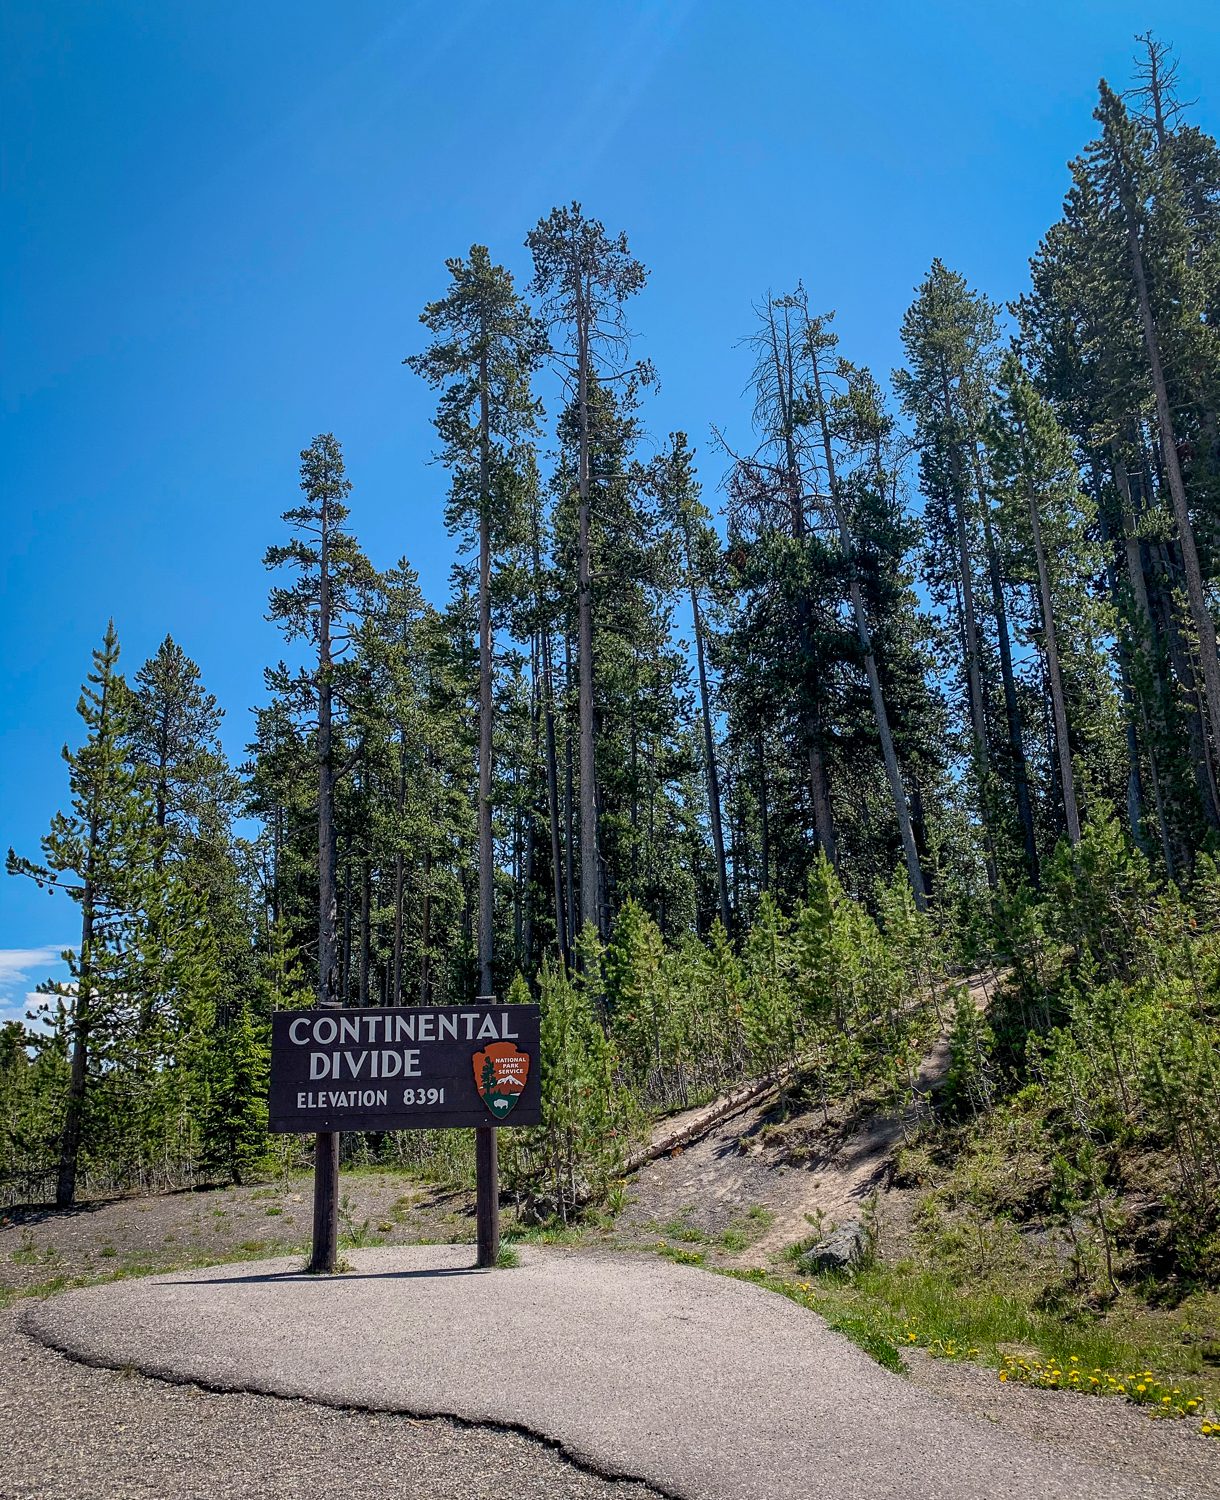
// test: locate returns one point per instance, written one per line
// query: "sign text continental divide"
(400, 1068)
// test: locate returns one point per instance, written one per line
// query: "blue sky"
(220, 223)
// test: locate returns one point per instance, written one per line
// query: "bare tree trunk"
(974, 674)
(1012, 709)
(633, 758)
(811, 718)
(425, 931)
(569, 800)
(1162, 821)
(527, 929)
(1131, 550)
(487, 1182)
(486, 845)
(974, 688)
(1135, 787)
(1055, 676)
(589, 904)
(889, 755)
(819, 781)
(709, 754)
(1146, 636)
(1183, 663)
(345, 947)
(531, 813)
(74, 1112)
(366, 933)
(1135, 790)
(1205, 628)
(552, 800)
(764, 819)
(326, 1151)
(737, 839)
(277, 854)
(396, 972)
(518, 909)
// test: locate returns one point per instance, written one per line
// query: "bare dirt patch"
(43, 1247)
(772, 1172)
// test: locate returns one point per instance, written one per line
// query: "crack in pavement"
(702, 1387)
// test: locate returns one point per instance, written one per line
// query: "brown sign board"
(404, 1068)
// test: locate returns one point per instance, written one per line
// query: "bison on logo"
(500, 1071)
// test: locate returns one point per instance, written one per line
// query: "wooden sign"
(419, 1068)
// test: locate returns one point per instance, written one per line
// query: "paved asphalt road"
(704, 1387)
(69, 1432)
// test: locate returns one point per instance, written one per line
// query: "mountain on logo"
(500, 1071)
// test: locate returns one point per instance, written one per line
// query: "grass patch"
(1114, 1351)
(550, 1233)
(681, 1229)
(939, 1307)
(742, 1232)
(680, 1255)
(128, 1271)
(508, 1258)
(870, 1332)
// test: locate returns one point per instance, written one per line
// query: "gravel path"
(710, 1389)
(71, 1432)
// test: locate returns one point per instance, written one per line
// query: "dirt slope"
(793, 1174)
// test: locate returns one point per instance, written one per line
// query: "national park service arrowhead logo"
(500, 1071)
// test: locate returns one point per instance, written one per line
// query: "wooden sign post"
(404, 1068)
(486, 1187)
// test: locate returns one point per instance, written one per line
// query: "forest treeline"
(727, 792)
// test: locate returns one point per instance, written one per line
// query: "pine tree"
(138, 975)
(949, 334)
(1128, 186)
(691, 521)
(584, 277)
(174, 737)
(1046, 520)
(486, 349)
(820, 344)
(235, 1123)
(771, 519)
(333, 579)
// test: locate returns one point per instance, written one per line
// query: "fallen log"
(710, 1115)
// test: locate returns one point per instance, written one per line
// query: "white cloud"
(20, 969)
(14, 1007)
(20, 964)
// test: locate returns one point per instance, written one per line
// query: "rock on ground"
(843, 1248)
